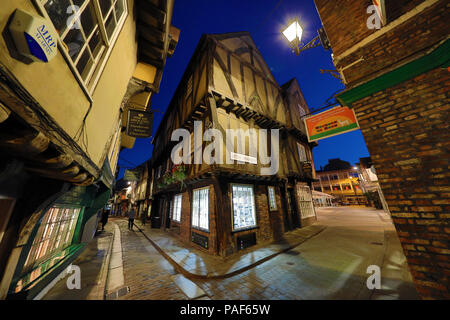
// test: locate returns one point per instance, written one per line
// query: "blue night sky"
(264, 19)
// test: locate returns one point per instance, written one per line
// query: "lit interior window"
(200, 209)
(244, 215)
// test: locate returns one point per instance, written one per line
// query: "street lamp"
(293, 33)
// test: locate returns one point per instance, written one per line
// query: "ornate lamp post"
(293, 33)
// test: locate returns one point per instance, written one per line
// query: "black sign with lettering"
(139, 124)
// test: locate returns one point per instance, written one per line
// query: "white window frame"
(272, 198)
(89, 84)
(301, 149)
(199, 227)
(253, 205)
(176, 207)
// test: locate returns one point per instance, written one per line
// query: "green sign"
(132, 175)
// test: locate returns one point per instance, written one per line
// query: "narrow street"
(330, 265)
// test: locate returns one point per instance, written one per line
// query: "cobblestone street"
(146, 272)
(331, 265)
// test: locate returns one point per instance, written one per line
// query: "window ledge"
(245, 229)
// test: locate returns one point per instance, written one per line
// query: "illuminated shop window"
(272, 202)
(176, 208)
(55, 234)
(244, 215)
(200, 209)
(87, 29)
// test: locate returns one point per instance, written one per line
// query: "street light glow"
(293, 31)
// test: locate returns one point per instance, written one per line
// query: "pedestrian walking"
(105, 214)
(131, 215)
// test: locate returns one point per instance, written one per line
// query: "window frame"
(192, 210)
(173, 207)
(254, 208)
(48, 239)
(96, 70)
(275, 208)
(303, 148)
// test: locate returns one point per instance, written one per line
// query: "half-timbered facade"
(239, 198)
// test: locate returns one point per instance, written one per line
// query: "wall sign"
(243, 158)
(33, 36)
(139, 123)
(331, 123)
(132, 175)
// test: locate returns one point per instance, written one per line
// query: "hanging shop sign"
(331, 123)
(33, 36)
(139, 124)
(132, 175)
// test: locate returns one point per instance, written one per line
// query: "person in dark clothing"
(105, 214)
(131, 215)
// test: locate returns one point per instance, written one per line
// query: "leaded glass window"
(244, 215)
(176, 208)
(55, 234)
(200, 209)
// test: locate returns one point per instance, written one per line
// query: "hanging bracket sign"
(139, 124)
(331, 123)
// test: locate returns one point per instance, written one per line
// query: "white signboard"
(243, 158)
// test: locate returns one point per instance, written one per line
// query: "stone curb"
(191, 275)
(105, 266)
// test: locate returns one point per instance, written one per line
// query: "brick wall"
(405, 127)
(345, 22)
(423, 31)
(407, 132)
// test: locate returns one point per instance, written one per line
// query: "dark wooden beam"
(151, 9)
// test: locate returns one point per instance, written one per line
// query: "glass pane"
(110, 25)
(88, 20)
(243, 207)
(120, 8)
(82, 63)
(74, 41)
(58, 13)
(105, 5)
(96, 43)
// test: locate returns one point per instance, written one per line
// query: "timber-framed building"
(225, 207)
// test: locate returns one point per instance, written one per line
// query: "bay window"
(272, 201)
(244, 213)
(200, 209)
(54, 234)
(87, 29)
(176, 208)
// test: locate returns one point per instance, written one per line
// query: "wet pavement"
(330, 264)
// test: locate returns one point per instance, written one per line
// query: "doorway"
(293, 209)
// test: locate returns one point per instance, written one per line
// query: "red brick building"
(398, 82)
